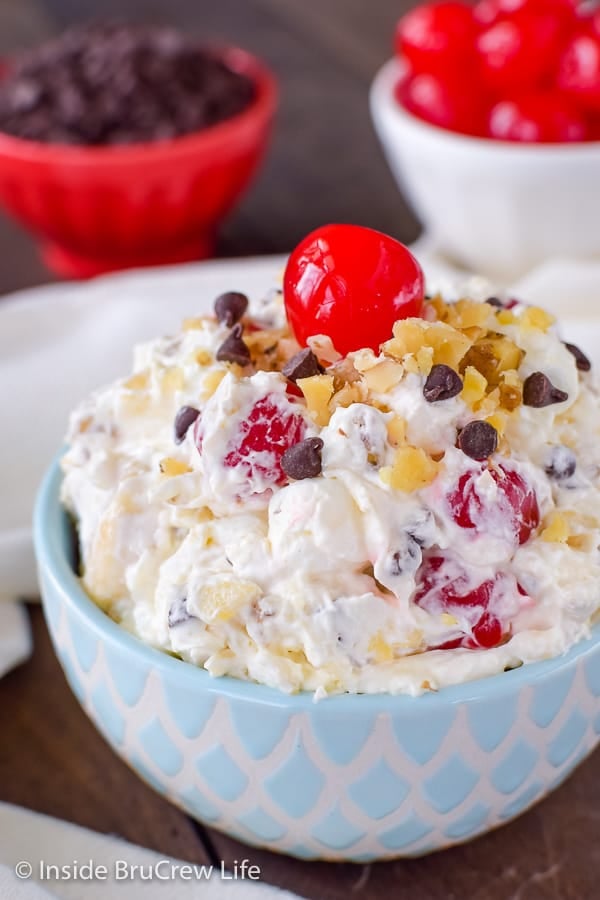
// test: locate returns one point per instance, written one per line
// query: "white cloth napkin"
(60, 342)
(31, 842)
(15, 637)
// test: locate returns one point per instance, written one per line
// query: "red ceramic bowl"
(96, 209)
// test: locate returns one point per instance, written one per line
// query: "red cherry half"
(271, 427)
(351, 283)
(443, 587)
(516, 502)
(264, 436)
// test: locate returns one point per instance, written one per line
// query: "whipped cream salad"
(392, 520)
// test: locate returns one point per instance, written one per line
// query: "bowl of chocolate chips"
(126, 146)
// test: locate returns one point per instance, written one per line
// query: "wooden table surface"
(324, 165)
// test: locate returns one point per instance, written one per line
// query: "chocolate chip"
(178, 613)
(302, 365)
(405, 559)
(303, 460)
(561, 463)
(233, 349)
(502, 304)
(116, 84)
(538, 391)
(478, 440)
(184, 419)
(442, 383)
(26, 96)
(230, 307)
(581, 360)
(423, 528)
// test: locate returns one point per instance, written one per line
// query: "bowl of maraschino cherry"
(489, 116)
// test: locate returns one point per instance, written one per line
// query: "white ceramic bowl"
(498, 208)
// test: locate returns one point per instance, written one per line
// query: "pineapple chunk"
(318, 390)
(449, 345)
(171, 466)
(536, 319)
(498, 421)
(506, 317)
(134, 404)
(511, 390)
(211, 382)
(380, 648)
(410, 335)
(172, 380)
(414, 639)
(84, 425)
(412, 470)
(511, 377)
(347, 395)
(411, 365)
(474, 333)
(385, 375)
(194, 324)
(396, 430)
(469, 314)
(138, 382)
(489, 405)
(425, 360)
(441, 308)
(364, 359)
(474, 386)
(203, 357)
(222, 597)
(583, 542)
(556, 530)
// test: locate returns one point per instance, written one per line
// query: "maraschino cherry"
(515, 500)
(351, 284)
(510, 70)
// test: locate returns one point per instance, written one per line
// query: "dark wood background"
(324, 165)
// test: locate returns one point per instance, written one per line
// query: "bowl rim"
(212, 138)
(383, 101)
(50, 532)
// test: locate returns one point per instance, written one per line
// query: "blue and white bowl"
(348, 778)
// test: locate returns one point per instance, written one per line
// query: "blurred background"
(324, 164)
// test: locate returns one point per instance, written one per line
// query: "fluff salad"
(381, 522)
